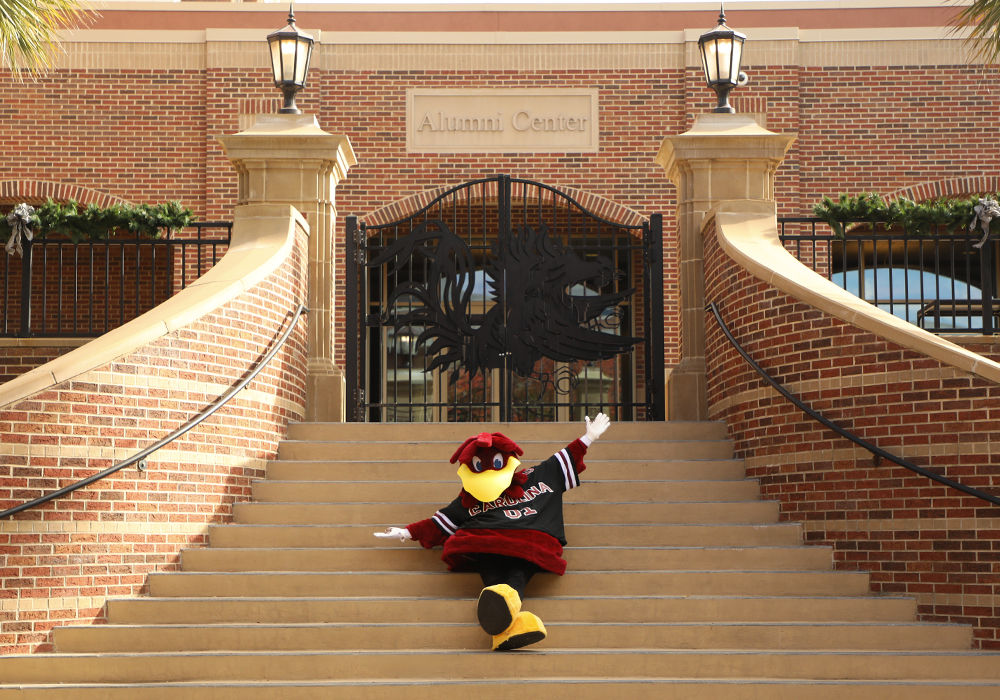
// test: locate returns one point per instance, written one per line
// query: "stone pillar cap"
(723, 137)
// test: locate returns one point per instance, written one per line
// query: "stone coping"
(263, 236)
(748, 232)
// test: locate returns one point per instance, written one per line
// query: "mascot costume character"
(506, 524)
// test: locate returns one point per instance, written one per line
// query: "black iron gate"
(504, 300)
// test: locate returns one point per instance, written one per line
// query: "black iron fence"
(941, 280)
(504, 299)
(61, 288)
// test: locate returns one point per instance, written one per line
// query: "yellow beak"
(488, 485)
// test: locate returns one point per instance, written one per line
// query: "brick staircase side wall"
(917, 538)
(60, 562)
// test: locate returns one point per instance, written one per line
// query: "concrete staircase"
(681, 584)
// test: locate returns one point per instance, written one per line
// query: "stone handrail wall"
(108, 399)
(889, 382)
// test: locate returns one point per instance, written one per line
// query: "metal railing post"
(655, 349)
(351, 316)
(26, 261)
(986, 285)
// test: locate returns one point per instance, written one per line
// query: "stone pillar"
(288, 159)
(723, 157)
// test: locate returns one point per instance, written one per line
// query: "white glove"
(597, 428)
(401, 532)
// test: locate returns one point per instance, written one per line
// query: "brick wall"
(153, 137)
(59, 562)
(916, 537)
(146, 132)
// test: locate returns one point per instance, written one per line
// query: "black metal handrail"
(875, 450)
(139, 456)
(64, 288)
(941, 280)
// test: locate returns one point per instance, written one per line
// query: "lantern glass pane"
(725, 48)
(276, 60)
(308, 60)
(301, 61)
(711, 61)
(288, 60)
(737, 56)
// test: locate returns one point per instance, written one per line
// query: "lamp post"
(291, 50)
(721, 54)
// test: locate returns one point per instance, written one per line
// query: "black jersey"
(539, 509)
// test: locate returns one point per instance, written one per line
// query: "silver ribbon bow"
(20, 221)
(986, 211)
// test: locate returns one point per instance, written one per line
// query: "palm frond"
(29, 32)
(982, 19)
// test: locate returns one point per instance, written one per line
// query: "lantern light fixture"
(721, 54)
(291, 51)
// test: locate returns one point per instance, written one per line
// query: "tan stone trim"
(133, 36)
(77, 603)
(861, 455)
(128, 56)
(751, 239)
(501, 57)
(880, 35)
(190, 459)
(263, 236)
(930, 52)
(118, 50)
(103, 526)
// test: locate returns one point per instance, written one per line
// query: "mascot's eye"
(497, 462)
(477, 465)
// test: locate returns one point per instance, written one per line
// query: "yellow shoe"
(527, 629)
(498, 608)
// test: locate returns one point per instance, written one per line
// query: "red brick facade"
(103, 540)
(149, 135)
(916, 537)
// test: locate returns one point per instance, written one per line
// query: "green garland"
(96, 223)
(917, 219)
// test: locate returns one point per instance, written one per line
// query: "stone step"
(534, 452)
(444, 492)
(601, 535)
(406, 513)
(458, 432)
(575, 583)
(475, 665)
(574, 635)
(500, 689)
(156, 611)
(440, 470)
(412, 557)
